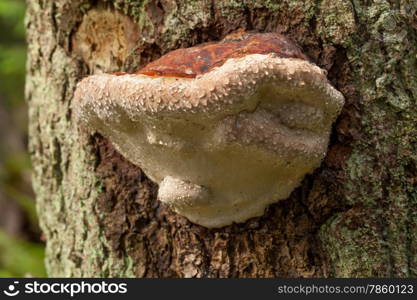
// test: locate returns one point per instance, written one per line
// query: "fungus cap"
(225, 128)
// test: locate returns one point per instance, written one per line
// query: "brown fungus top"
(190, 62)
(221, 77)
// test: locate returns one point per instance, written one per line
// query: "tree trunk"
(355, 216)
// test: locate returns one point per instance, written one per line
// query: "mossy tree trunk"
(355, 216)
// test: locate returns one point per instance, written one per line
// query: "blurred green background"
(21, 246)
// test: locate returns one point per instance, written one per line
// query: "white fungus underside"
(244, 133)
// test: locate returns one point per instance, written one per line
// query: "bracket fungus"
(224, 128)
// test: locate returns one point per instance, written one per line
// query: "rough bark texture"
(355, 216)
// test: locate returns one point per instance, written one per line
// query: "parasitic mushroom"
(224, 128)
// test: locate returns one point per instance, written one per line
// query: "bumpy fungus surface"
(225, 128)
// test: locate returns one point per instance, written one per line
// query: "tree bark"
(355, 216)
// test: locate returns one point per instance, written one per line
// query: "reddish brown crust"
(190, 62)
(119, 73)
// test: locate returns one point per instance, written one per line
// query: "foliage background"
(21, 247)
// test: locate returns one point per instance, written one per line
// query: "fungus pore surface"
(224, 128)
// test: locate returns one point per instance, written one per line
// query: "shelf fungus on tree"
(224, 128)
